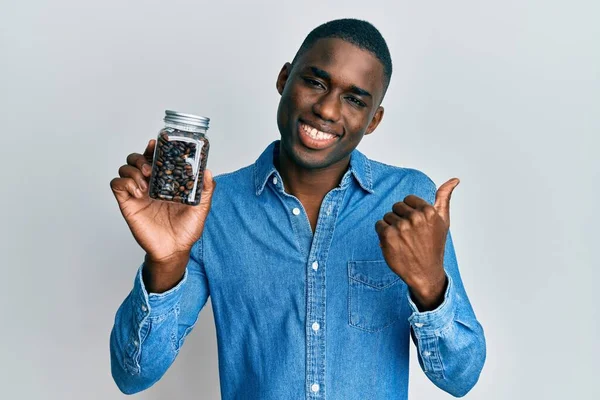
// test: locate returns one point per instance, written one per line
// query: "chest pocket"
(375, 295)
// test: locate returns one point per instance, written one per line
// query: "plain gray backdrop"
(504, 95)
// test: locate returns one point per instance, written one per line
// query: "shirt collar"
(264, 168)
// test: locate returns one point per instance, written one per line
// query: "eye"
(356, 101)
(312, 82)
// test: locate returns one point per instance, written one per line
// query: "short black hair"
(358, 32)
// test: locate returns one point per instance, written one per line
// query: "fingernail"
(146, 168)
(143, 185)
(138, 192)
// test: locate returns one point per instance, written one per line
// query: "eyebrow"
(319, 73)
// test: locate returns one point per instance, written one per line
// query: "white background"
(504, 95)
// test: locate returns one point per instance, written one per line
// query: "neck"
(309, 184)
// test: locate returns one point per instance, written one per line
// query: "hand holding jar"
(165, 219)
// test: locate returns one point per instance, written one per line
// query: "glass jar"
(180, 158)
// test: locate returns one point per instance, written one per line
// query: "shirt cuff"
(155, 304)
(425, 322)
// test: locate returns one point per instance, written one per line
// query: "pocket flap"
(373, 273)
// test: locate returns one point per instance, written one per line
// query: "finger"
(402, 209)
(380, 227)
(140, 162)
(124, 189)
(127, 171)
(208, 188)
(442, 198)
(415, 202)
(149, 152)
(392, 218)
(149, 157)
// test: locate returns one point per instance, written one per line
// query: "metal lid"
(187, 119)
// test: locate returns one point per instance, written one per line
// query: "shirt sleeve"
(450, 341)
(150, 328)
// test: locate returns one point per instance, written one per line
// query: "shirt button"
(418, 324)
(426, 354)
(315, 387)
(144, 309)
(275, 181)
(296, 211)
(316, 326)
(315, 265)
(135, 343)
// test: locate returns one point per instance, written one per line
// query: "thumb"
(442, 199)
(208, 188)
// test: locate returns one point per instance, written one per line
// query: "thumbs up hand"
(412, 238)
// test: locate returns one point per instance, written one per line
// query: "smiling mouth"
(315, 139)
(316, 134)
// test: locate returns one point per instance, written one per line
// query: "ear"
(375, 121)
(283, 77)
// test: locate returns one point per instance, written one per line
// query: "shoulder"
(236, 176)
(235, 184)
(402, 180)
(408, 175)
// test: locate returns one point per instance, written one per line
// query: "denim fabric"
(299, 315)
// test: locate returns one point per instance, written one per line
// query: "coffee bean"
(172, 176)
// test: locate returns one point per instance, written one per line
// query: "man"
(320, 262)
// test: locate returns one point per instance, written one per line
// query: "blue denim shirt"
(299, 315)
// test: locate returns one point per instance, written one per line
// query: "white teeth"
(316, 134)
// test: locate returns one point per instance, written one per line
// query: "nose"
(328, 107)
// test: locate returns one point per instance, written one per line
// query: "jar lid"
(187, 119)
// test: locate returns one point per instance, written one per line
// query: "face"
(329, 100)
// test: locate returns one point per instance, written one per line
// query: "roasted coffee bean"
(173, 172)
